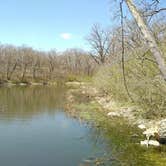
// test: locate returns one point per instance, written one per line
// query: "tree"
(148, 36)
(99, 40)
(35, 63)
(26, 60)
(52, 60)
(10, 59)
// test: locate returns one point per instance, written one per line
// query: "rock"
(150, 142)
(105, 102)
(161, 137)
(23, 84)
(74, 83)
(114, 114)
(162, 129)
(158, 131)
(142, 126)
(36, 83)
(150, 132)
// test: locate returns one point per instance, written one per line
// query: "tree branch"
(155, 12)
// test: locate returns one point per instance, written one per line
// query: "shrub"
(144, 83)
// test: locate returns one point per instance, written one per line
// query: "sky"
(51, 24)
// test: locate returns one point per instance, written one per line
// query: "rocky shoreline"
(155, 129)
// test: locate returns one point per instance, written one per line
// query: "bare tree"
(148, 36)
(52, 60)
(36, 64)
(99, 40)
(26, 60)
(11, 60)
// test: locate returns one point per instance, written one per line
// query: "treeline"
(24, 64)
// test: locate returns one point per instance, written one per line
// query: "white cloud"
(66, 36)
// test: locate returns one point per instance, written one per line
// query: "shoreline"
(112, 110)
(10, 84)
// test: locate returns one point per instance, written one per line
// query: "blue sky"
(52, 24)
(48, 24)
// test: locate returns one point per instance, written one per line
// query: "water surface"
(35, 131)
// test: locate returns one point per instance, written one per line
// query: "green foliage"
(84, 78)
(144, 82)
(78, 78)
(71, 78)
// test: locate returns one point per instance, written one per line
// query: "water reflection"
(26, 102)
(35, 130)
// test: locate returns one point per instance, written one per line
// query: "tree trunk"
(34, 73)
(24, 72)
(7, 73)
(13, 69)
(148, 36)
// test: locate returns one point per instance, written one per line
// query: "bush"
(144, 82)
